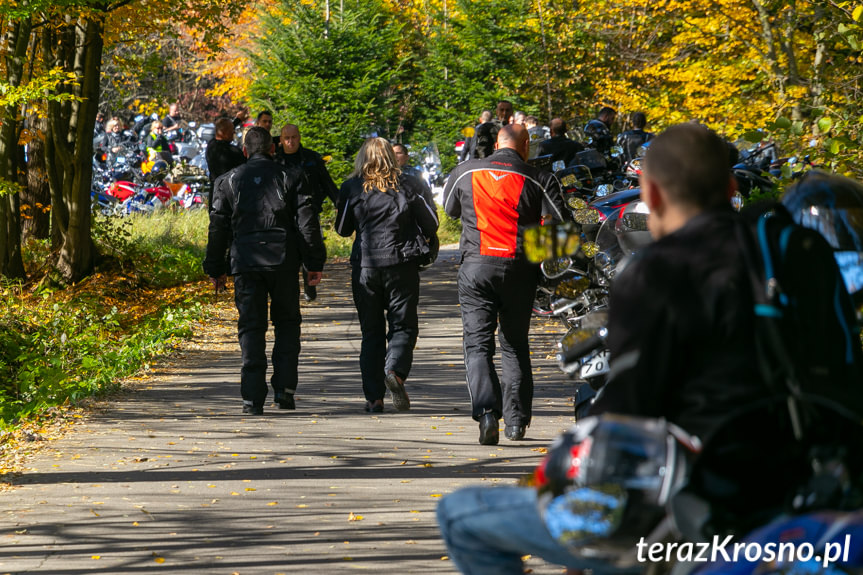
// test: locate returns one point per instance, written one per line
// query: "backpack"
(809, 356)
(807, 332)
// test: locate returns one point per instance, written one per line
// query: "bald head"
(557, 127)
(514, 136)
(224, 129)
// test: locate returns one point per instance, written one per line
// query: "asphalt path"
(171, 477)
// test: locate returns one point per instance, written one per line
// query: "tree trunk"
(36, 196)
(77, 47)
(15, 49)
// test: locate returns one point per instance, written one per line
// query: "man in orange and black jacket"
(496, 198)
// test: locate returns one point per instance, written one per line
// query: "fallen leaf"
(271, 503)
(250, 489)
(353, 517)
(96, 557)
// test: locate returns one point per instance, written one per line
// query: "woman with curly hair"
(388, 212)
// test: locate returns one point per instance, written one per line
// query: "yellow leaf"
(353, 517)
(271, 503)
(302, 506)
(96, 557)
(159, 559)
(436, 495)
(250, 489)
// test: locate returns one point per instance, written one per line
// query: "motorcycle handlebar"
(583, 348)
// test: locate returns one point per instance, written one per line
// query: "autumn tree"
(338, 79)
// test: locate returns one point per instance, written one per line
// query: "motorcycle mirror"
(569, 181)
(555, 268)
(604, 190)
(192, 124)
(616, 151)
(558, 165)
(551, 241)
(576, 203)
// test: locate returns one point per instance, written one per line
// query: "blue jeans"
(487, 531)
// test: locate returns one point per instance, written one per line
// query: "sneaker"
(376, 406)
(400, 397)
(285, 400)
(252, 409)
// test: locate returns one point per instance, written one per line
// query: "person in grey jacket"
(254, 235)
(391, 218)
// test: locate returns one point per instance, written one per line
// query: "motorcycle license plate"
(596, 365)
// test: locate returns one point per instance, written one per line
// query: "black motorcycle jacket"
(497, 198)
(315, 182)
(600, 135)
(254, 216)
(631, 140)
(681, 329)
(560, 148)
(386, 222)
(222, 157)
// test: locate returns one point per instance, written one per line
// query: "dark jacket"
(560, 148)
(600, 135)
(681, 329)
(315, 182)
(254, 214)
(496, 198)
(222, 157)
(631, 140)
(483, 140)
(386, 223)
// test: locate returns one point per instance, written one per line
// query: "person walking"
(496, 198)
(222, 155)
(315, 184)
(387, 211)
(253, 218)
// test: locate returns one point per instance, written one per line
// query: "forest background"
(414, 71)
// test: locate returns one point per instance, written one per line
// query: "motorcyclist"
(561, 148)
(633, 139)
(599, 130)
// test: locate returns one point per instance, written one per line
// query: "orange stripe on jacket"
(495, 202)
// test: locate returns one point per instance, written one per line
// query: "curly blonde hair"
(376, 165)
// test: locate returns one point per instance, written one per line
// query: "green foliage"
(339, 82)
(65, 351)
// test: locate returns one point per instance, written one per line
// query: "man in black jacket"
(222, 155)
(561, 148)
(496, 198)
(316, 185)
(633, 139)
(254, 218)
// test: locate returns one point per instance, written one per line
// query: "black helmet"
(833, 206)
(606, 482)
